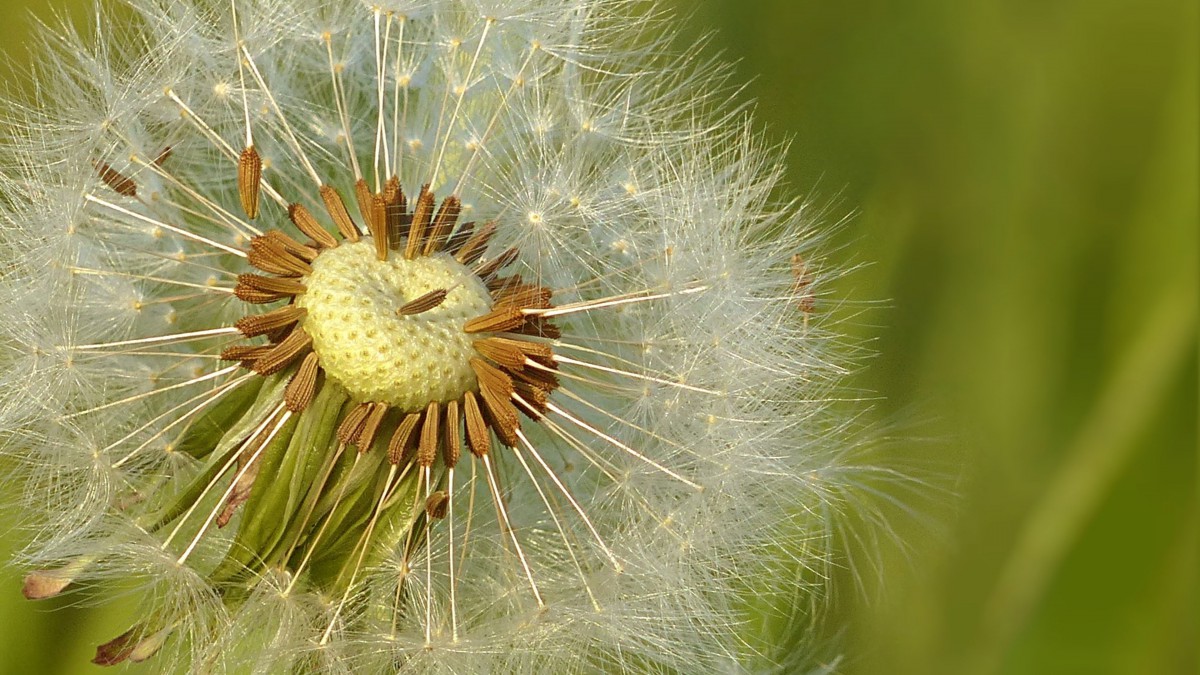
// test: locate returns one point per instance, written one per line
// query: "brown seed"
(436, 505)
(119, 182)
(443, 224)
(379, 228)
(496, 388)
(452, 437)
(496, 264)
(802, 286)
(304, 221)
(401, 446)
(511, 354)
(164, 156)
(118, 649)
(478, 438)
(504, 353)
(269, 255)
(303, 386)
(422, 214)
(397, 213)
(257, 288)
(534, 401)
(497, 321)
(352, 424)
(370, 426)
(259, 296)
(364, 197)
(295, 345)
(428, 446)
(44, 584)
(538, 326)
(538, 377)
(392, 193)
(260, 324)
(249, 180)
(247, 354)
(276, 336)
(256, 297)
(336, 208)
(240, 493)
(424, 303)
(305, 253)
(474, 247)
(460, 237)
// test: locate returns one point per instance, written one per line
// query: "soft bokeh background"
(1022, 175)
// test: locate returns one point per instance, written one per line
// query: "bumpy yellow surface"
(377, 355)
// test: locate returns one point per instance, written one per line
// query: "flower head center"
(371, 346)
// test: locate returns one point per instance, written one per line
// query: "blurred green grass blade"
(1098, 455)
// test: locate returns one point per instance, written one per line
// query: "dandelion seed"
(349, 446)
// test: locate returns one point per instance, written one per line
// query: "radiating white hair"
(675, 511)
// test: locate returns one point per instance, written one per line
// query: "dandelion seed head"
(455, 336)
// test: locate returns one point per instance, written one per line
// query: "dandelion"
(444, 335)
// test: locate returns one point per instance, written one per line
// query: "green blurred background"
(1022, 177)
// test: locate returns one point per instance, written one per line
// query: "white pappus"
(446, 336)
